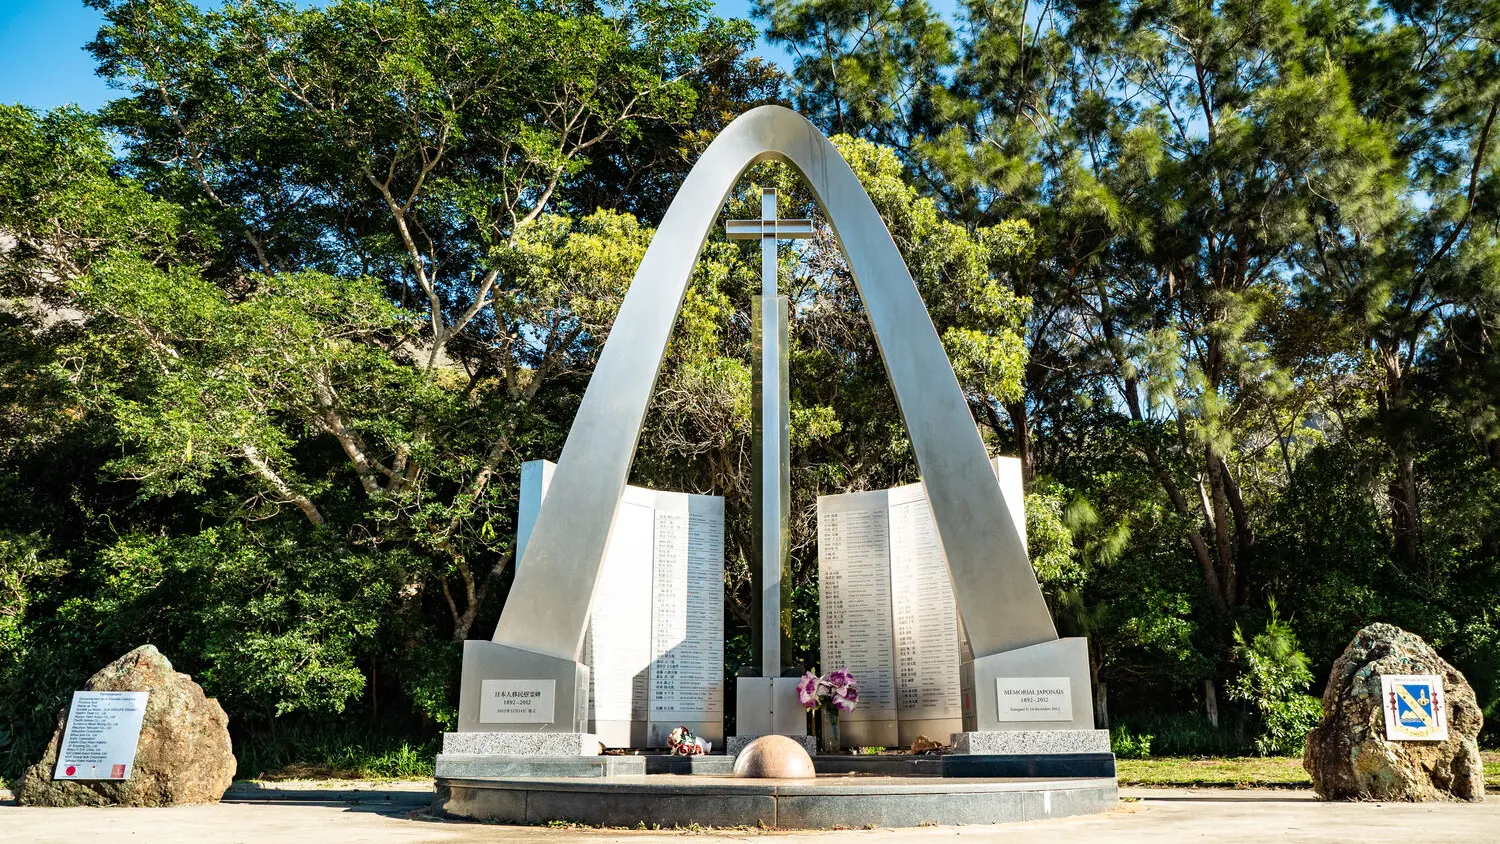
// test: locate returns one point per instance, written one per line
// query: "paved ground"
(392, 814)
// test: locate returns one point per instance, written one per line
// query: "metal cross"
(771, 613)
(768, 229)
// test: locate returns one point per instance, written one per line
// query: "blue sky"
(43, 63)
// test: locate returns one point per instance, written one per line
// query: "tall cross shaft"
(772, 506)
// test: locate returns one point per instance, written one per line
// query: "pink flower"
(839, 678)
(807, 691)
(847, 698)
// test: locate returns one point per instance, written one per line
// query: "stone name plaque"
(100, 739)
(687, 626)
(925, 615)
(854, 607)
(518, 702)
(888, 612)
(655, 639)
(617, 648)
(1034, 698)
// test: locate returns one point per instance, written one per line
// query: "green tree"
(1410, 288)
(1273, 680)
(424, 146)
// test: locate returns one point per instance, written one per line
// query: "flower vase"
(830, 737)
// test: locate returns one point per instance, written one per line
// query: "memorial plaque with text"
(854, 596)
(655, 640)
(1415, 709)
(518, 701)
(100, 739)
(1034, 698)
(925, 614)
(888, 612)
(617, 683)
(687, 642)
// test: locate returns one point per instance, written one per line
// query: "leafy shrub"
(304, 749)
(1285, 725)
(1274, 682)
(1127, 745)
(1183, 735)
(277, 624)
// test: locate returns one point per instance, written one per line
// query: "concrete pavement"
(394, 814)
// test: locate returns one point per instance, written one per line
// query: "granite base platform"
(1030, 742)
(708, 765)
(1030, 753)
(1022, 765)
(825, 803)
(487, 765)
(522, 744)
(495, 754)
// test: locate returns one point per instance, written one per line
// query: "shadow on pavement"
(394, 803)
(1217, 797)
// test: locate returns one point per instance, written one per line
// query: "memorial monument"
(525, 694)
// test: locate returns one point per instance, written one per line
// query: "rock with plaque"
(1428, 748)
(138, 733)
(888, 612)
(655, 641)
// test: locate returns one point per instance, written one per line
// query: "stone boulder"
(183, 755)
(1347, 754)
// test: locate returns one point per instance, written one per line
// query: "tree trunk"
(1405, 513)
(1244, 536)
(1117, 351)
(1495, 454)
(1022, 426)
(284, 489)
(463, 621)
(1201, 551)
(1211, 703)
(1228, 572)
(1405, 510)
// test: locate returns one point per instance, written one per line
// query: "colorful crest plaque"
(1414, 707)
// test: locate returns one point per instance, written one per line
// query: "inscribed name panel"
(854, 592)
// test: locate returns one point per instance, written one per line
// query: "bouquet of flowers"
(681, 742)
(835, 691)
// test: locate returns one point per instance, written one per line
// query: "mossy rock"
(1348, 755)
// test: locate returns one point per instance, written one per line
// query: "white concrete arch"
(997, 593)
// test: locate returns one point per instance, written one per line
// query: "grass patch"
(1227, 772)
(303, 752)
(404, 762)
(1242, 772)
